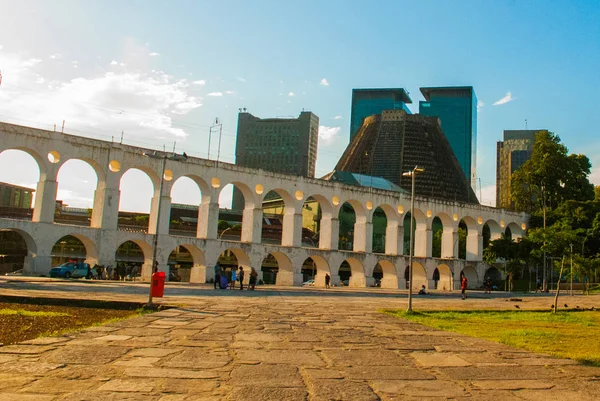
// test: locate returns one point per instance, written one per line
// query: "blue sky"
(163, 70)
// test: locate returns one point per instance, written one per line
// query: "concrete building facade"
(281, 145)
(511, 153)
(456, 107)
(102, 237)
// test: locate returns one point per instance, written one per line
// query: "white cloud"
(139, 104)
(153, 54)
(291, 94)
(240, 79)
(114, 62)
(216, 94)
(328, 134)
(480, 104)
(146, 106)
(1, 47)
(230, 92)
(507, 98)
(55, 56)
(337, 117)
(199, 82)
(75, 64)
(324, 82)
(488, 195)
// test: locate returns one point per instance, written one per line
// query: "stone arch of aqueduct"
(111, 160)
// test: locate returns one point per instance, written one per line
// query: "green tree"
(550, 176)
(597, 193)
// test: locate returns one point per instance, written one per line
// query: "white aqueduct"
(102, 238)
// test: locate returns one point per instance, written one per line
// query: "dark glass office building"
(456, 107)
(366, 102)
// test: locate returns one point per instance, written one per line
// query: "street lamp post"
(571, 245)
(545, 280)
(411, 174)
(164, 157)
(216, 124)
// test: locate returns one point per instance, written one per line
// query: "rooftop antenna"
(525, 124)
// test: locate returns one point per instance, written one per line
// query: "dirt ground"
(74, 315)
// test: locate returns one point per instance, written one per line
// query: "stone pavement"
(248, 346)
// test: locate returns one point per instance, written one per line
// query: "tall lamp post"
(571, 245)
(164, 157)
(411, 174)
(213, 128)
(545, 280)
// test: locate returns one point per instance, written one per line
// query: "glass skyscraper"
(366, 102)
(456, 107)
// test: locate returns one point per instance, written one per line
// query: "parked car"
(71, 269)
(309, 283)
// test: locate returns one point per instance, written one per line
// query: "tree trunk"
(562, 266)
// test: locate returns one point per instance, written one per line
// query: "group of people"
(227, 278)
(122, 272)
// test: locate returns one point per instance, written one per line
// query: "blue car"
(71, 269)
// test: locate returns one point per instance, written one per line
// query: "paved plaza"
(278, 345)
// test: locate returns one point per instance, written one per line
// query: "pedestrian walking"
(253, 277)
(487, 285)
(241, 277)
(327, 280)
(135, 270)
(463, 286)
(233, 278)
(217, 275)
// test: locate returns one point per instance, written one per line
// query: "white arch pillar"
(329, 233)
(474, 245)
(45, 198)
(292, 229)
(363, 237)
(394, 238)
(449, 243)
(105, 213)
(165, 215)
(208, 220)
(252, 225)
(423, 240)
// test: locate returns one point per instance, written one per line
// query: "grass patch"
(566, 334)
(28, 313)
(23, 318)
